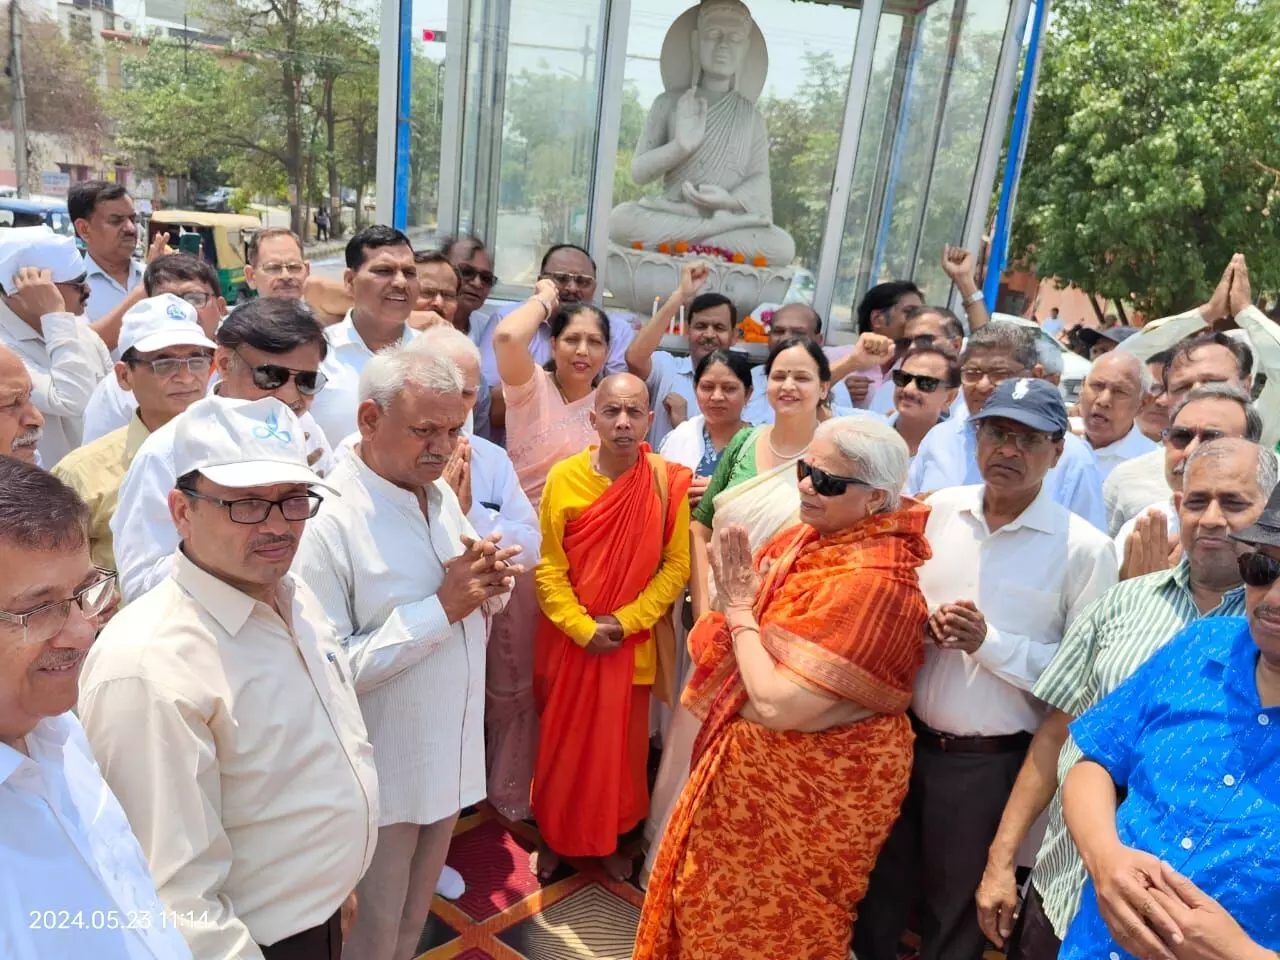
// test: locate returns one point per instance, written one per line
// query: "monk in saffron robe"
(802, 686)
(615, 531)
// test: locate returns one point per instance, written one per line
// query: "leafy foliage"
(1152, 150)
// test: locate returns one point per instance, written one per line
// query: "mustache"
(432, 458)
(55, 659)
(29, 439)
(271, 540)
(1268, 610)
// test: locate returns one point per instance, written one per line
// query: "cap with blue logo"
(243, 443)
(159, 322)
(1028, 401)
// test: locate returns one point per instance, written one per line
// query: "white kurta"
(376, 564)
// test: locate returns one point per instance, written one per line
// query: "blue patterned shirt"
(1188, 739)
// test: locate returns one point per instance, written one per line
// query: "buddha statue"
(707, 141)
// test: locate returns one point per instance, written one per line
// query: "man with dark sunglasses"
(267, 348)
(1011, 571)
(190, 279)
(925, 386)
(221, 706)
(1186, 866)
(164, 367)
(1144, 543)
(1223, 490)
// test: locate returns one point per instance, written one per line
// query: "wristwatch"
(971, 299)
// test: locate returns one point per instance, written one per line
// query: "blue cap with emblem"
(1033, 403)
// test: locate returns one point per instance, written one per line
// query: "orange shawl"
(842, 615)
(583, 792)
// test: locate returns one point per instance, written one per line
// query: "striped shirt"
(1102, 649)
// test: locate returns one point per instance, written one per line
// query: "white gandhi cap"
(41, 248)
(243, 443)
(159, 322)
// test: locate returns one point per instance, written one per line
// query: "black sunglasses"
(272, 376)
(904, 344)
(826, 484)
(1180, 437)
(467, 273)
(1258, 569)
(924, 384)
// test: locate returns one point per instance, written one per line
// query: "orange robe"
(589, 781)
(771, 845)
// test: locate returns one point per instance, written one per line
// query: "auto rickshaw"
(220, 239)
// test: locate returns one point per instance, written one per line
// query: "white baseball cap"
(41, 248)
(159, 322)
(243, 443)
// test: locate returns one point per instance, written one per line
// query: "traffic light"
(433, 36)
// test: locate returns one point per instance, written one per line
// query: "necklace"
(785, 456)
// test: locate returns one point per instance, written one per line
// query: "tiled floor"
(507, 915)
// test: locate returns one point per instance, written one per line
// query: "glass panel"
(810, 51)
(927, 107)
(548, 138)
(426, 107)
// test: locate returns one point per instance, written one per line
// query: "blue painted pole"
(1017, 153)
(400, 207)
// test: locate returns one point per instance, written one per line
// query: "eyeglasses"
(430, 293)
(919, 340)
(272, 376)
(973, 376)
(1258, 569)
(565, 279)
(294, 268)
(254, 510)
(1029, 442)
(80, 286)
(468, 273)
(1180, 437)
(197, 298)
(46, 622)
(826, 484)
(171, 366)
(924, 384)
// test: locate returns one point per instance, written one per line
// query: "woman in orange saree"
(802, 685)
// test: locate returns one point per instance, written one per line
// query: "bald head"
(1111, 397)
(621, 416)
(794, 320)
(20, 421)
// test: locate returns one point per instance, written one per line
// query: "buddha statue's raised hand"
(690, 121)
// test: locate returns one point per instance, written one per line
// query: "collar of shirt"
(230, 607)
(342, 336)
(46, 741)
(683, 366)
(135, 272)
(135, 438)
(1132, 444)
(1040, 515)
(13, 327)
(384, 488)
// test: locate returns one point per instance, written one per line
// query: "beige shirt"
(235, 744)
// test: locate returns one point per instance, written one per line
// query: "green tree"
(1152, 152)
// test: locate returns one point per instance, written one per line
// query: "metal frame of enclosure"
(911, 170)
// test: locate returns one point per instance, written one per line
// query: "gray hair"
(38, 511)
(1050, 358)
(1225, 391)
(1146, 382)
(449, 341)
(877, 453)
(390, 371)
(1007, 338)
(1268, 466)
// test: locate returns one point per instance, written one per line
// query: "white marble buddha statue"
(709, 145)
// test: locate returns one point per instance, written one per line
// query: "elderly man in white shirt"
(1114, 392)
(221, 709)
(267, 348)
(411, 588)
(382, 279)
(947, 457)
(73, 880)
(43, 290)
(1011, 569)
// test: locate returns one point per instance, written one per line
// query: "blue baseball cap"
(1031, 402)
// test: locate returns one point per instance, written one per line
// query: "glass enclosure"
(525, 134)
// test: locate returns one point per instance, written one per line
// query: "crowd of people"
(288, 587)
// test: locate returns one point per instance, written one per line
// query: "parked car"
(34, 211)
(217, 200)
